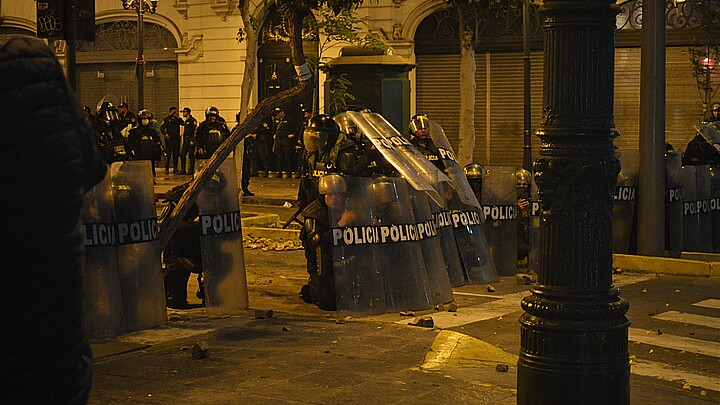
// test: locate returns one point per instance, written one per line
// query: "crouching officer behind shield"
(317, 240)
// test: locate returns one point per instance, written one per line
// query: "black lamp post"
(141, 7)
(574, 333)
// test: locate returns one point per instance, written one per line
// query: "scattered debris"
(439, 307)
(677, 291)
(490, 288)
(659, 332)
(285, 329)
(266, 244)
(263, 313)
(686, 386)
(617, 270)
(423, 322)
(452, 307)
(287, 204)
(524, 279)
(183, 348)
(407, 313)
(326, 351)
(200, 350)
(644, 290)
(502, 367)
(341, 322)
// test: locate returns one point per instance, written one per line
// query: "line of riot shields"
(402, 243)
(124, 276)
(692, 200)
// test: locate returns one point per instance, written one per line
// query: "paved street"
(305, 355)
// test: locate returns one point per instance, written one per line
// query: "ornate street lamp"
(141, 7)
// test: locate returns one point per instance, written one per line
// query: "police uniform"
(171, 129)
(188, 145)
(209, 136)
(144, 140)
(429, 150)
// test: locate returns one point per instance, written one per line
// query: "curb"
(700, 267)
(251, 219)
(271, 233)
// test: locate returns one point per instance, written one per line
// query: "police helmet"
(347, 125)
(383, 190)
(144, 113)
(107, 112)
(212, 111)
(523, 178)
(331, 184)
(473, 171)
(418, 122)
(322, 131)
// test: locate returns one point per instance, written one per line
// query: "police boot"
(176, 281)
(200, 293)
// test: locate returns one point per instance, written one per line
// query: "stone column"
(574, 333)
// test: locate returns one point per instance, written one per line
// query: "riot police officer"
(112, 145)
(322, 139)
(144, 140)
(210, 133)
(420, 138)
(474, 172)
(317, 241)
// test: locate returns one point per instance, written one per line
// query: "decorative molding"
(182, 7)
(191, 49)
(398, 3)
(223, 8)
(397, 32)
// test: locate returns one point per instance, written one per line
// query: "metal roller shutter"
(506, 129)
(683, 105)
(118, 79)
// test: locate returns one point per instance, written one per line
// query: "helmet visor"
(314, 140)
(420, 122)
(347, 126)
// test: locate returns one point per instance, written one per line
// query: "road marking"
(669, 373)
(710, 303)
(668, 341)
(692, 319)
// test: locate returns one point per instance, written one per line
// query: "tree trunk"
(251, 48)
(466, 133)
(306, 83)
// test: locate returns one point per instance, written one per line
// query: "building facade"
(193, 58)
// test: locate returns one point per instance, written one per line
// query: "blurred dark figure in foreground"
(43, 343)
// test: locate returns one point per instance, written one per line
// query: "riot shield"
(138, 247)
(104, 310)
(691, 217)
(221, 242)
(535, 211)
(359, 287)
(454, 171)
(709, 131)
(715, 206)
(437, 274)
(450, 251)
(500, 208)
(624, 204)
(673, 204)
(466, 222)
(399, 152)
(404, 274)
(702, 176)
